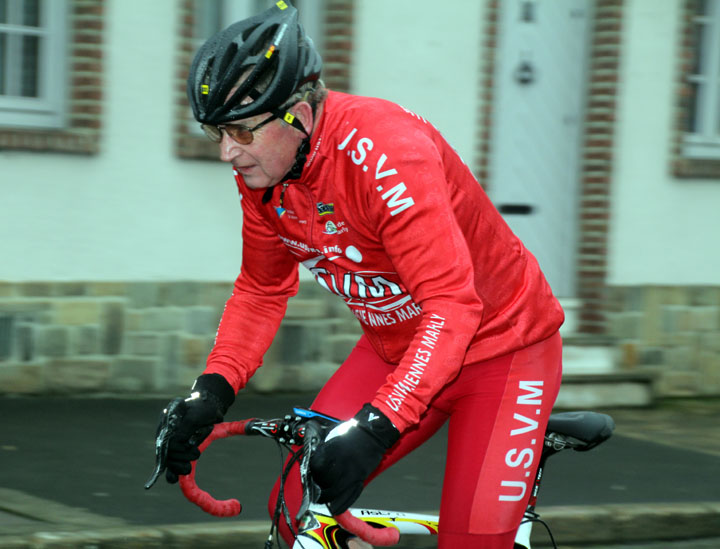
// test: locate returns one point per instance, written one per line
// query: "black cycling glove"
(349, 454)
(209, 400)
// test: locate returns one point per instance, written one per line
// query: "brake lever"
(312, 437)
(162, 440)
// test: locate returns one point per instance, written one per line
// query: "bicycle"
(303, 430)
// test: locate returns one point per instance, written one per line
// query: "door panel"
(541, 65)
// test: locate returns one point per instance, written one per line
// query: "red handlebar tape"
(381, 537)
(218, 508)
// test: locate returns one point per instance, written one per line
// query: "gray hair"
(313, 92)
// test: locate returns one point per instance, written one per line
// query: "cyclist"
(459, 322)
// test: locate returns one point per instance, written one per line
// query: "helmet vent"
(239, 57)
(262, 43)
(247, 32)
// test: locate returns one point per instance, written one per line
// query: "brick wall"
(188, 145)
(85, 91)
(596, 175)
(339, 33)
(485, 103)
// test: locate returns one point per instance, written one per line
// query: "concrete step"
(592, 379)
(608, 390)
(588, 359)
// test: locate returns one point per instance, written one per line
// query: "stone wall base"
(672, 332)
(154, 337)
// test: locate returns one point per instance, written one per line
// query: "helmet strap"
(300, 159)
(296, 170)
(304, 148)
(301, 154)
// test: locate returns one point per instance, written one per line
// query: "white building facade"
(593, 125)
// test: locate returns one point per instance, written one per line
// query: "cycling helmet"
(270, 47)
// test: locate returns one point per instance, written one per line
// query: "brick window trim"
(597, 154)
(597, 168)
(338, 39)
(485, 101)
(85, 94)
(680, 165)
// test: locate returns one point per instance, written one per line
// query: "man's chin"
(256, 181)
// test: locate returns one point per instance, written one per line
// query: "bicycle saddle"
(591, 428)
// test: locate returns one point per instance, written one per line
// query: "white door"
(541, 65)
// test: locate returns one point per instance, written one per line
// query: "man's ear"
(303, 111)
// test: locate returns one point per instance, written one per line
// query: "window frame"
(49, 108)
(333, 25)
(84, 88)
(696, 154)
(705, 143)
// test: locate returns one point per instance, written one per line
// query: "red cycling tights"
(498, 410)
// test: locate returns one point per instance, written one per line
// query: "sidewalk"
(71, 474)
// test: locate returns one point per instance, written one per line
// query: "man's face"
(266, 160)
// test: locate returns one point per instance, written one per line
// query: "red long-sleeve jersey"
(387, 217)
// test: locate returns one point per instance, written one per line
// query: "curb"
(630, 522)
(587, 524)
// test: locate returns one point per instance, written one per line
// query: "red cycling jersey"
(388, 217)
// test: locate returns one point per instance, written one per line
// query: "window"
(212, 15)
(324, 20)
(702, 119)
(51, 75)
(33, 38)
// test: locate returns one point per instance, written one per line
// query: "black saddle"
(591, 428)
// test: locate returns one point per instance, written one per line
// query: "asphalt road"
(96, 453)
(682, 544)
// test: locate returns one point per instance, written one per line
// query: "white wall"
(663, 230)
(424, 55)
(135, 211)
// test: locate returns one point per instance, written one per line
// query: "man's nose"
(229, 148)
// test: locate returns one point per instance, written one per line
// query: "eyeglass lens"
(240, 134)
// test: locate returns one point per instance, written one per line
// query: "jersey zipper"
(280, 210)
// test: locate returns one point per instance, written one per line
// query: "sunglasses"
(237, 132)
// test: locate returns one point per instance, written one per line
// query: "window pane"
(691, 123)
(31, 13)
(3, 11)
(3, 64)
(701, 7)
(207, 18)
(698, 38)
(30, 66)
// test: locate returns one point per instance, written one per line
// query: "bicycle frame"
(326, 533)
(317, 529)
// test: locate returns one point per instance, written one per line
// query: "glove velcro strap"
(215, 387)
(377, 425)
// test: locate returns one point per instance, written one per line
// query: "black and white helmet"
(269, 47)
